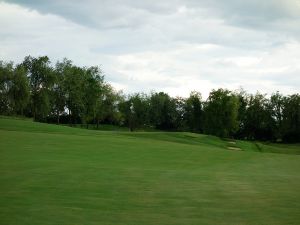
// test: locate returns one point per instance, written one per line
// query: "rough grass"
(59, 175)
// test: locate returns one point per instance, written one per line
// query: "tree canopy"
(70, 94)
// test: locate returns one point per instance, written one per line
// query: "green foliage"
(58, 100)
(19, 91)
(276, 106)
(6, 73)
(259, 123)
(136, 111)
(193, 112)
(291, 118)
(74, 87)
(163, 111)
(41, 79)
(221, 113)
(93, 88)
(110, 100)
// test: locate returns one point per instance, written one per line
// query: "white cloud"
(177, 48)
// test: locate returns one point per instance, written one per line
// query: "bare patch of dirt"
(234, 148)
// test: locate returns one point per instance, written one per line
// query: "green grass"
(279, 148)
(60, 175)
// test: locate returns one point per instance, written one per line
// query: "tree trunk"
(57, 117)
(70, 119)
(34, 114)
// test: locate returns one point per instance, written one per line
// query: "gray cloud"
(177, 46)
(254, 13)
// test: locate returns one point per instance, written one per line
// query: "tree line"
(70, 94)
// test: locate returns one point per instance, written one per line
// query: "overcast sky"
(175, 46)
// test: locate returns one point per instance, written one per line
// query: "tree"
(93, 85)
(193, 112)
(259, 123)
(73, 86)
(179, 113)
(110, 103)
(19, 90)
(41, 79)
(58, 102)
(221, 113)
(6, 73)
(136, 110)
(243, 99)
(100, 110)
(276, 105)
(291, 118)
(163, 111)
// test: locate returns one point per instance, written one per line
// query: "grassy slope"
(59, 175)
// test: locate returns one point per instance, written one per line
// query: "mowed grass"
(59, 175)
